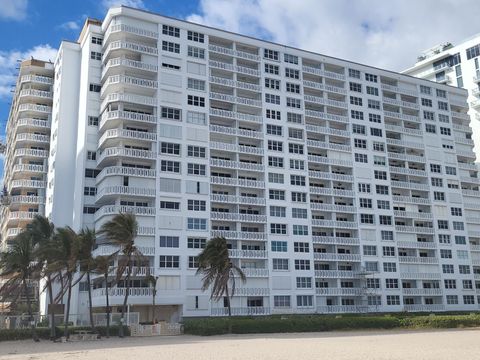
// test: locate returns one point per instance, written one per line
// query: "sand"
(385, 345)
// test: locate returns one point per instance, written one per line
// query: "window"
(293, 88)
(271, 69)
(298, 213)
(444, 239)
(295, 133)
(391, 283)
(277, 211)
(379, 160)
(393, 300)
(171, 47)
(170, 148)
(275, 145)
(196, 169)
(170, 113)
(376, 132)
(294, 118)
(292, 73)
(297, 164)
(443, 118)
(373, 104)
(450, 283)
(272, 99)
(280, 264)
(170, 166)
(171, 31)
(355, 87)
(375, 118)
(302, 264)
(373, 283)
(385, 220)
(438, 182)
(442, 224)
(97, 40)
(293, 103)
(358, 115)
(360, 143)
(196, 118)
(467, 284)
(169, 261)
(95, 87)
(275, 178)
(299, 197)
(196, 100)
(372, 90)
(354, 73)
(301, 230)
(196, 84)
(169, 241)
(435, 168)
(280, 229)
(197, 205)
(371, 266)
(365, 203)
(297, 180)
(452, 299)
(273, 114)
(356, 100)
(91, 173)
(377, 146)
(292, 59)
(89, 191)
(295, 148)
(468, 299)
(427, 102)
(363, 188)
(272, 84)
(95, 55)
(195, 36)
(464, 269)
(270, 54)
(388, 251)
(169, 205)
(458, 225)
(374, 300)
(370, 77)
(449, 170)
(380, 175)
(361, 158)
(445, 254)
(445, 131)
(447, 269)
(196, 151)
(442, 105)
(425, 90)
(170, 66)
(276, 194)
(381, 189)
(455, 211)
(193, 262)
(279, 246)
(387, 235)
(92, 121)
(460, 240)
(366, 219)
(304, 282)
(196, 224)
(389, 267)
(358, 129)
(196, 243)
(369, 250)
(304, 301)
(274, 161)
(438, 196)
(281, 301)
(91, 155)
(428, 115)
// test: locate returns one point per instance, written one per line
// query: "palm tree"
(19, 266)
(218, 270)
(122, 231)
(42, 231)
(102, 267)
(152, 281)
(87, 263)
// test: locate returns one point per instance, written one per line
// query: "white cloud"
(9, 63)
(138, 4)
(387, 34)
(13, 9)
(70, 25)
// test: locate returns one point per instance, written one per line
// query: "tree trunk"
(107, 310)
(30, 313)
(67, 314)
(90, 307)
(153, 303)
(52, 311)
(127, 291)
(229, 310)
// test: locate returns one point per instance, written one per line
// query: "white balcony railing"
(240, 235)
(125, 171)
(248, 254)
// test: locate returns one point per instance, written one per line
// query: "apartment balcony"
(463, 128)
(460, 115)
(219, 180)
(414, 229)
(324, 101)
(235, 131)
(333, 240)
(417, 260)
(244, 291)
(235, 84)
(466, 192)
(400, 90)
(333, 207)
(411, 200)
(111, 136)
(34, 108)
(403, 130)
(30, 153)
(114, 118)
(469, 179)
(15, 216)
(120, 48)
(248, 254)
(336, 257)
(29, 137)
(401, 103)
(237, 311)
(110, 249)
(323, 73)
(255, 273)
(214, 215)
(122, 82)
(473, 206)
(251, 150)
(329, 161)
(28, 184)
(121, 63)
(29, 168)
(32, 123)
(422, 292)
(107, 192)
(234, 68)
(12, 232)
(406, 157)
(329, 176)
(467, 166)
(239, 235)
(345, 309)
(128, 98)
(407, 144)
(120, 152)
(327, 131)
(232, 52)
(331, 192)
(326, 116)
(336, 274)
(125, 171)
(421, 307)
(116, 209)
(413, 215)
(421, 276)
(475, 104)
(464, 140)
(328, 145)
(407, 171)
(36, 79)
(401, 116)
(237, 165)
(26, 200)
(136, 296)
(340, 291)
(235, 99)
(236, 115)
(324, 87)
(232, 199)
(137, 271)
(119, 28)
(467, 154)
(34, 94)
(410, 185)
(335, 224)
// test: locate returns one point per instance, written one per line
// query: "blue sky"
(387, 34)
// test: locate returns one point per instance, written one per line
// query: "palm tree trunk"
(90, 307)
(228, 301)
(153, 303)
(67, 315)
(127, 291)
(30, 312)
(52, 308)
(107, 310)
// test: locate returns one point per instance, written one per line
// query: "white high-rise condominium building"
(457, 66)
(340, 187)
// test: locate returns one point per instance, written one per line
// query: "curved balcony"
(36, 94)
(236, 115)
(117, 190)
(232, 199)
(336, 257)
(120, 63)
(238, 165)
(120, 152)
(37, 79)
(35, 108)
(214, 215)
(31, 153)
(29, 184)
(119, 48)
(251, 150)
(110, 249)
(116, 135)
(32, 123)
(26, 199)
(326, 116)
(116, 209)
(326, 130)
(323, 73)
(240, 235)
(219, 180)
(115, 118)
(248, 254)
(128, 98)
(14, 216)
(122, 82)
(125, 171)
(29, 137)
(333, 240)
(29, 168)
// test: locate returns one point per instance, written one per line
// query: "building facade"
(333, 190)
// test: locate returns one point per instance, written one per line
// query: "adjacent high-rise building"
(339, 187)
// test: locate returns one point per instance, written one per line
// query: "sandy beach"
(385, 345)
